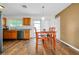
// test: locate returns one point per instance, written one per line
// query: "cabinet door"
(26, 34)
(26, 21)
(13, 35)
(4, 21)
(10, 34)
(6, 34)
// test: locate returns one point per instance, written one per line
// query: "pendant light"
(43, 18)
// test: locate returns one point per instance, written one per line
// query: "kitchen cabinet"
(9, 34)
(26, 22)
(4, 21)
(26, 34)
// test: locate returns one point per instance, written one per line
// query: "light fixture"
(43, 18)
(2, 7)
(24, 6)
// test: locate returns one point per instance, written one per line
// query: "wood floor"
(27, 47)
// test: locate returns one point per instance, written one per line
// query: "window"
(37, 25)
(15, 23)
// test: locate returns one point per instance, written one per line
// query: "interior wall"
(45, 24)
(69, 23)
(57, 25)
(1, 37)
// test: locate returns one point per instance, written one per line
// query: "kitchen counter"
(9, 34)
(16, 34)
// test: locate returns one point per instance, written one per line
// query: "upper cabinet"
(4, 21)
(26, 21)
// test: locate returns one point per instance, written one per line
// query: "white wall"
(44, 25)
(48, 23)
(1, 34)
(57, 24)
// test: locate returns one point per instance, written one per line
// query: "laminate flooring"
(27, 47)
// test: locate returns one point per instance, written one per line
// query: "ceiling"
(33, 9)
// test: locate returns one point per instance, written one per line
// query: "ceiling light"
(42, 6)
(24, 6)
(43, 18)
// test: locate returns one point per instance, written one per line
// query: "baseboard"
(70, 45)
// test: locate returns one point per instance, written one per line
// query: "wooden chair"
(53, 36)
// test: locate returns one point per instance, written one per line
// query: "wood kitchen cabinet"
(4, 21)
(9, 34)
(26, 22)
(26, 34)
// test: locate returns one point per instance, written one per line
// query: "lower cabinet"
(16, 34)
(26, 34)
(9, 34)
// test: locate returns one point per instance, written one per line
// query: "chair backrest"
(51, 29)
